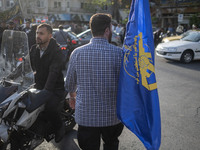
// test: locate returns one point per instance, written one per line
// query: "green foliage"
(98, 2)
(125, 21)
(126, 4)
(195, 20)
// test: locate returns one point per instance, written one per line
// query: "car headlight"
(172, 49)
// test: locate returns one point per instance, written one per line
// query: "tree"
(194, 20)
(115, 6)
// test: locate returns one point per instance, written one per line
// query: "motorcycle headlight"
(172, 49)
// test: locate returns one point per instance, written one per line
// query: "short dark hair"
(45, 25)
(34, 27)
(99, 22)
(60, 27)
(11, 23)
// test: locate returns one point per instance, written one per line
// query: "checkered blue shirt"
(94, 70)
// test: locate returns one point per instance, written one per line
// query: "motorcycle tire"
(12, 144)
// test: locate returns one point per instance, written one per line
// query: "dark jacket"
(48, 68)
(62, 37)
(31, 38)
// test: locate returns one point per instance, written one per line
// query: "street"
(179, 95)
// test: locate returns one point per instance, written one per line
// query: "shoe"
(60, 133)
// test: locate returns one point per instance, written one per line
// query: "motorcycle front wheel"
(5, 146)
(15, 142)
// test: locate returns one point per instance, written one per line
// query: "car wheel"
(187, 57)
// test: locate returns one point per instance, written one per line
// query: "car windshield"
(185, 34)
(193, 37)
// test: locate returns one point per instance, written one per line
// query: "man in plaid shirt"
(91, 80)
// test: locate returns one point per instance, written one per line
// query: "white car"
(184, 50)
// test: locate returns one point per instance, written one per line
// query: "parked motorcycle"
(21, 126)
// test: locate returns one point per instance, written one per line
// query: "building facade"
(56, 10)
(174, 12)
(164, 13)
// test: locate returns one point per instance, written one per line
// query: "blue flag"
(137, 99)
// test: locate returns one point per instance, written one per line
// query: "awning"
(69, 17)
(59, 17)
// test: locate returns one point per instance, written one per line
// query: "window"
(57, 4)
(85, 5)
(0, 3)
(67, 4)
(40, 3)
(9, 3)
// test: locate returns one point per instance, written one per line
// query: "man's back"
(97, 67)
(61, 37)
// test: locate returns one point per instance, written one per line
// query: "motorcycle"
(21, 126)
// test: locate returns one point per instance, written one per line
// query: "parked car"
(75, 42)
(86, 35)
(177, 37)
(68, 48)
(184, 50)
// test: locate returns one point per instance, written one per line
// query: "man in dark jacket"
(32, 36)
(61, 36)
(46, 62)
(27, 28)
(2, 28)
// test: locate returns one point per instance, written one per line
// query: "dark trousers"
(89, 137)
(53, 108)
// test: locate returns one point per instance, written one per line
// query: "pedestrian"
(12, 26)
(27, 28)
(32, 36)
(118, 28)
(157, 36)
(94, 72)
(64, 39)
(122, 33)
(61, 36)
(179, 29)
(2, 28)
(46, 61)
(194, 27)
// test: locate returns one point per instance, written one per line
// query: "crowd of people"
(29, 29)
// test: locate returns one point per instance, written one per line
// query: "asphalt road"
(179, 95)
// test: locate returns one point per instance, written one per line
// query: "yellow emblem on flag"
(142, 63)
